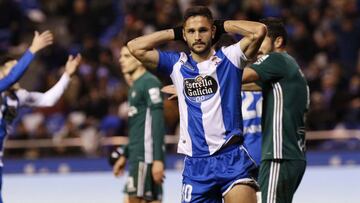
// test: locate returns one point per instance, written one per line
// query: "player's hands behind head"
(158, 171)
(41, 40)
(72, 64)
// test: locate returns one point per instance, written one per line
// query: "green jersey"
(146, 120)
(285, 101)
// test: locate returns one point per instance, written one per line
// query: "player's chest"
(135, 97)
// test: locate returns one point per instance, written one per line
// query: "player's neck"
(138, 73)
(202, 57)
(280, 49)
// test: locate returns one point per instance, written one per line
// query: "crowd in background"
(323, 37)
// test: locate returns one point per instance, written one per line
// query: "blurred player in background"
(13, 96)
(286, 99)
(251, 112)
(146, 150)
(217, 166)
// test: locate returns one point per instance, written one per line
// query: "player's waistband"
(235, 142)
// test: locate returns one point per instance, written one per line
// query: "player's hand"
(158, 171)
(169, 89)
(72, 64)
(119, 166)
(41, 41)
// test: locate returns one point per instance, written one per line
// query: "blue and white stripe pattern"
(209, 98)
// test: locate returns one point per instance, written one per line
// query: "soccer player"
(145, 151)
(251, 112)
(13, 96)
(286, 99)
(217, 166)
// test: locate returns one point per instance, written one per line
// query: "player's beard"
(207, 47)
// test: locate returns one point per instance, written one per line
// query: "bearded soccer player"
(286, 100)
(217, 167)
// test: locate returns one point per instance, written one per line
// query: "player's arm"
(253, 34)
(155, 103)
(250, 75)
(169, 89)
(50, 97)
(266, 68)
(143, 48)
(117, 159)
(250, 87)
(39, 42)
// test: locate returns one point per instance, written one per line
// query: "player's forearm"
(253, 32)
(16, 72)
(140, 45)
(250, 29)
(50, 97)
(249, 75)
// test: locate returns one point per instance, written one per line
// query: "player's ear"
(279, 41)
(184, 34)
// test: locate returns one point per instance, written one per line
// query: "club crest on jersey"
(186, 64)
(200, 89)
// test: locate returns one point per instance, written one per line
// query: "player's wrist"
(116, 154)
(33, 49)
(178, 35)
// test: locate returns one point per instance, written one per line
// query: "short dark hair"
(275, 28)
(198, 11)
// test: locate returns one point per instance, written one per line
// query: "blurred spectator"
(11, 22)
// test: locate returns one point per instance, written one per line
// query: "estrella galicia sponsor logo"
(200, 89)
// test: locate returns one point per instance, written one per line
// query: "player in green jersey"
(145, 151)
(286, 100)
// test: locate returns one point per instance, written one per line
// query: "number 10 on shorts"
(186, 193)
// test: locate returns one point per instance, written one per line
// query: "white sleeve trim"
(235, 55)
(48, 98)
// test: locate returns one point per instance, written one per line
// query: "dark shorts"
(208, 179)
(279, 179)
(140, 182)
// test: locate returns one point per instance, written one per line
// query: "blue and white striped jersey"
(251, 112)
(209, 97)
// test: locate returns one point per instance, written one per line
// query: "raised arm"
(50, 97)
(39, 42)
(253, 32)
(143, 48)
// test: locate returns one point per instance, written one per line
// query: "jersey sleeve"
(154, 101)
(17, 71)
(167, 61)
(235, 55)
(46, 99)
(269, 67)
